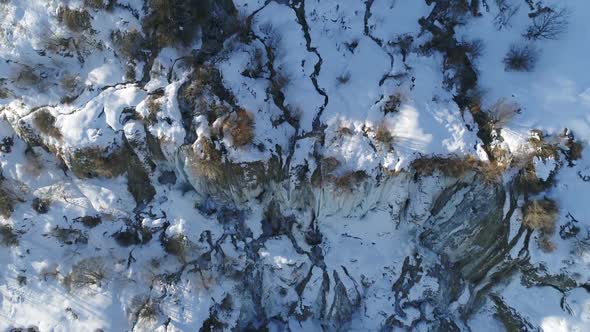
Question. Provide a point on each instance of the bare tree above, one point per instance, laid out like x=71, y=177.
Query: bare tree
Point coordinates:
x=548, y=23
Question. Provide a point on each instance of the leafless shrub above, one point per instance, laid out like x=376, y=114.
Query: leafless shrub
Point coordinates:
x=394, y=102
x=473, y=48
x=8, y=237
x=41, y=205
x=521, y=57
x=45, y=122
x=506, y=11
x=541, y=215
x=383, y=135
x=177, y=245
x=89, y=221
x=343, y=78
x=502, y=112
x=144, y=309
x=69, y=236
x=75, y=20
x=7, y=204
x=548, y=23
x=86, y=273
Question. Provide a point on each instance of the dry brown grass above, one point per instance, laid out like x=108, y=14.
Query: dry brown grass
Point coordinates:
x=75, y=20
x=455, y=166
x=541, y=215
x=45, y=122
x=205, y=160
x=241, y=127
x=99, y=162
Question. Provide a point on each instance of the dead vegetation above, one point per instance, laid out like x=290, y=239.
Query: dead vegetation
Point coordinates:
x=541, y=215
x=502, y=112
x=87, y=273
x=76, y=20
x=128, y=44
x=45, y=122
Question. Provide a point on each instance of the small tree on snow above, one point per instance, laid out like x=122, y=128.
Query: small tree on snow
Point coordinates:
x=548, y=23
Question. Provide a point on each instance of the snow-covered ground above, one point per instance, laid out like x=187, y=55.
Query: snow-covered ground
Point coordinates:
x=287, y=174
